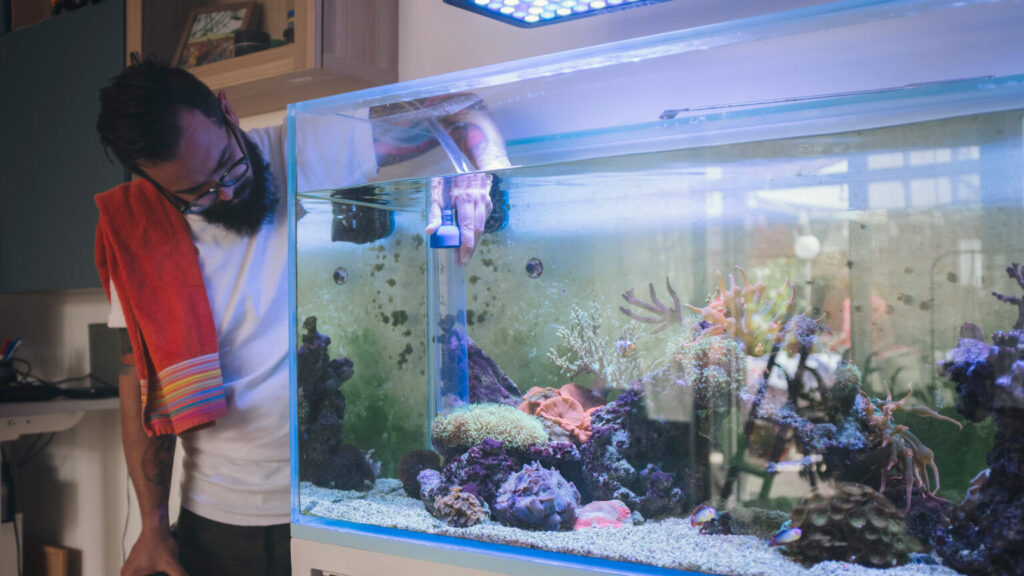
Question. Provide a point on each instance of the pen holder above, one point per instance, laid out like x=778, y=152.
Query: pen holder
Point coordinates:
x=7, y=374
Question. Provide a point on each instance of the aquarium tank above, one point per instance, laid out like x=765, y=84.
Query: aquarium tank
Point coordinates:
x=749, y=300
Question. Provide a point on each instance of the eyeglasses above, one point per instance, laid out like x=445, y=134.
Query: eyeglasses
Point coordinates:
x=233, y=175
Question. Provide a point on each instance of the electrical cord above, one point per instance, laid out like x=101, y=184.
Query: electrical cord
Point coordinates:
x=28, y=387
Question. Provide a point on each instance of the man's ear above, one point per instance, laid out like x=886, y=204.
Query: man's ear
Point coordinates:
x=225, y=106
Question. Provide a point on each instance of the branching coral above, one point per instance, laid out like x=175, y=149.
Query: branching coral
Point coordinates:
x=590, y=354
x=664, y=316
x=750, y=314
x=907, y=453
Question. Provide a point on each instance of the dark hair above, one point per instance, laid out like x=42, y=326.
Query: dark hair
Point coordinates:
x=140, y=109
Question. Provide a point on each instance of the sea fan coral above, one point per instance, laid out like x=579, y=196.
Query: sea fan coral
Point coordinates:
x=472, y=425
x=852, y=524
x=750, y=313
x=537, y=498
x=460, y=509
x=410, y=466
x=591, y=354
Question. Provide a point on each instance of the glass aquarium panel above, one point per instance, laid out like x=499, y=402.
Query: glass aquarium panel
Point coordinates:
x=773, y=338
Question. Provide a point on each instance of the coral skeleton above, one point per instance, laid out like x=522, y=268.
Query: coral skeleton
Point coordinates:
x=591, y=354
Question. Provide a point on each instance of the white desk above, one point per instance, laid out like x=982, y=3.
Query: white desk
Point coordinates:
x=20, y=418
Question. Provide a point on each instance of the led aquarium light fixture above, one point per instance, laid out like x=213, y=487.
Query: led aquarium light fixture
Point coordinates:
x=531, y=13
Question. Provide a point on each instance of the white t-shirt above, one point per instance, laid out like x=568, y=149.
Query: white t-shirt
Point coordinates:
x=237, y=471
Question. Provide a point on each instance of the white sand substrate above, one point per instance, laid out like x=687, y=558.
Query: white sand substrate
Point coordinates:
x=668, y=543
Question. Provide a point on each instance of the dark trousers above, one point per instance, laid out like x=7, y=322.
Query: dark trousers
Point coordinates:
x=209, y=548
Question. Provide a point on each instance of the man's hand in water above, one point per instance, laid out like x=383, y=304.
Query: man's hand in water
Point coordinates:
x=471, y=197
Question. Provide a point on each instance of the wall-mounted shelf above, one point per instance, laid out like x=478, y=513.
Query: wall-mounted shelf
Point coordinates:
x=340, y=46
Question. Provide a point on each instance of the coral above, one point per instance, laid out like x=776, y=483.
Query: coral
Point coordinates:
x=987, y=534
x=431, y=486
x=474, y=424
x=749, y=314
x=537, y=498
x=459, y=509
x=925, y=514
x=713, y=367
x=321, y=406
x=664, y=316
x=590, y=354
x=585, y=396
x=1015, y=272
x=487, y=383
x=907, y=454
x=481, y=470
x=568, y=414
x=410, y=466
x=564, y=457
x=536, y=396
x=624, y=442
x=853, y=524
x=603, y=513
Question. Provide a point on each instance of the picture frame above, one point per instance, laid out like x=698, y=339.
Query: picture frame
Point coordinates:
x=209, y=33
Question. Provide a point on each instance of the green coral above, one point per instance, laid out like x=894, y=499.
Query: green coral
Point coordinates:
x=713, y=367
x=591, y=354
x=471, y=426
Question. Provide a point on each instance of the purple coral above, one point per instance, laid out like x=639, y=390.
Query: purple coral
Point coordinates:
x=623, y=446
x=481, y=470
x=537, y=498
x=487, y=382
x=986, y=537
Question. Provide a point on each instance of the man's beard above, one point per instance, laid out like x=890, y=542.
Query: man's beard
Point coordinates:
x=257, y=198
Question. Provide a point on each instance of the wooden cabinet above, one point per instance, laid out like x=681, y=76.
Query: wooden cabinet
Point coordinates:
x=340, y=46
x=51, y=159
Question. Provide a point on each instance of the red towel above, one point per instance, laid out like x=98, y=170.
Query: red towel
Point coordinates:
x=143, y=246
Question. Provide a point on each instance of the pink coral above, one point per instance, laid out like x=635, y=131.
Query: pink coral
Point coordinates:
x=600, y=513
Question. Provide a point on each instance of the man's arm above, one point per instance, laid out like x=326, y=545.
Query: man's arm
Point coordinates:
x=403, y=131
x=149, y=464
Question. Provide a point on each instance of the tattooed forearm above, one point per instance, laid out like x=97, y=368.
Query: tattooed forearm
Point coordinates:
x=127, y=352
x=158, y=460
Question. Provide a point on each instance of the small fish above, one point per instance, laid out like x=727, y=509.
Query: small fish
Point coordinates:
x=787, y=536
x=702, y=515
x=624, y=346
